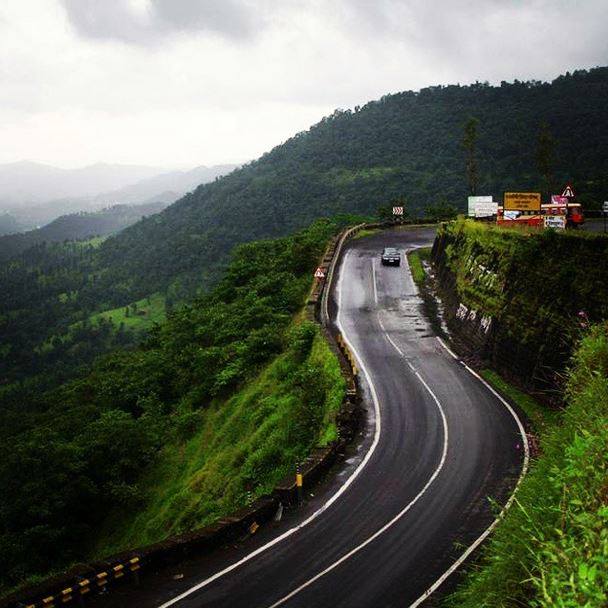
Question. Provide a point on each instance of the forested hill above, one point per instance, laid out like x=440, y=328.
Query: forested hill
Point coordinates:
x=77, y=226
x=408, y=144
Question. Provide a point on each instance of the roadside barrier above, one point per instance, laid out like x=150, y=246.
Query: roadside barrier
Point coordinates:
x=76, y=584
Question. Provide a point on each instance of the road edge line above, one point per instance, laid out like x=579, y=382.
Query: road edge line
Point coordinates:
x=503, y=512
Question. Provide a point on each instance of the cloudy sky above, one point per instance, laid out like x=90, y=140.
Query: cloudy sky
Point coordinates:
x=185, y=82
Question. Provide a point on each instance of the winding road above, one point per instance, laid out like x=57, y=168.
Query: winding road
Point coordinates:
x=413, y=500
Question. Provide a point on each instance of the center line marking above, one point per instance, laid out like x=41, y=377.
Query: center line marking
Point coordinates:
x=374, y=281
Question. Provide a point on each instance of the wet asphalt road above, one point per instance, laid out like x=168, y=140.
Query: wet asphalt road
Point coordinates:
x=438, y=445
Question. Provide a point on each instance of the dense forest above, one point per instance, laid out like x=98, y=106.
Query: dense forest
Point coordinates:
x=77, y=226
x=73, y=454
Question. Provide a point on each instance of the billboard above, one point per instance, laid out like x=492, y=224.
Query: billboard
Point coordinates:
x=522, y=201
x=474, y=200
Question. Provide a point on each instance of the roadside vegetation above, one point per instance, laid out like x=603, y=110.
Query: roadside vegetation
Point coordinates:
x=219, y=402
x=540, y=416
x=415, y=259
x=552, y=547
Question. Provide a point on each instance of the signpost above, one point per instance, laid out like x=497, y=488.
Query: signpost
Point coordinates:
x=522, y=201
x=475, y=201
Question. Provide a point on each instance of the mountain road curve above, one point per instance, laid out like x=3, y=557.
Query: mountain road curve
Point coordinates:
x=417, y=495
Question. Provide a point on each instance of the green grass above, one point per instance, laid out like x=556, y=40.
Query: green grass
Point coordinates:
x=551, y=550
x=224, y=457
x=540, y=417
x=141, y=315
x=415, y=259
x=366, y=232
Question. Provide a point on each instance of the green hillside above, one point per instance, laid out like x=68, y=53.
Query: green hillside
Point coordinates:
x=77, y=226
x=219, y=402
x=403, y=145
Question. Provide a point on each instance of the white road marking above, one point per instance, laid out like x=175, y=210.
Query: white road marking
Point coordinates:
x=450, y=351
x=395, y=519
x=374, y=281
x=325, y=506
x=501, y=515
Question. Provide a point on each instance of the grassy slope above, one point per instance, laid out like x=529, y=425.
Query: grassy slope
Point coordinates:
x=149, y=311
x=552, y=548
x=415, y=259
x=239, y=450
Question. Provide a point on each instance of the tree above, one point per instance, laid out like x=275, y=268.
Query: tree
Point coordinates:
x=469, y=143
x=545, y=147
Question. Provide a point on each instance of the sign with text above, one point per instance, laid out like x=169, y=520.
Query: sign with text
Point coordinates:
x=555, y=221
x=522, y=201
x=475, y=200
x=558, y=199
x=605, y=207
x=486, y=209
x=397, y=210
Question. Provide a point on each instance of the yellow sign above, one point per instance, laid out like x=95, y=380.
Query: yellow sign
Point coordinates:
x=522, y=201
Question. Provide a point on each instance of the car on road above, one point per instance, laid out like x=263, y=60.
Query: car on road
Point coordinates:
x=391, y=257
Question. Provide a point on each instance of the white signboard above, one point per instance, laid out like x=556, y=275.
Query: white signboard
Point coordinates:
x=473, y=200
x=605, y=207
x=397, y=210
x=486, y=209
x=555, y=221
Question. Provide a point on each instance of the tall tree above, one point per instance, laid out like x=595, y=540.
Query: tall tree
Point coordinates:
x=469, y=143
x=545, y=154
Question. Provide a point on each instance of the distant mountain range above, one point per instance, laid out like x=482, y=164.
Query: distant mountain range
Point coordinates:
x=77, y=226
x=34, y=194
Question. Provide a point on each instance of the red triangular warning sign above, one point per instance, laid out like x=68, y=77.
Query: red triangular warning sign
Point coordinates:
x=319, y=274
x=568, y=191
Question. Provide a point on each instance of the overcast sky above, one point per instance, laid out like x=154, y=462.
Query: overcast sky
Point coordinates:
x=188, y=82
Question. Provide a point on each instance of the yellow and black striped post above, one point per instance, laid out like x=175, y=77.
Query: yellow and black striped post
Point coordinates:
x=299, y=484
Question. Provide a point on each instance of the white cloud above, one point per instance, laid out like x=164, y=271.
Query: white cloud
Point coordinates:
x=169, y=82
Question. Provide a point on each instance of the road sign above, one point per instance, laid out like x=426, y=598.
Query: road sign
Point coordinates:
x=605, y=207
x=522, y=201
x=555, y=221
x=559, y=199
x=319, y=274
x=397, y=210
x=474, y=201
x=568, y=192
